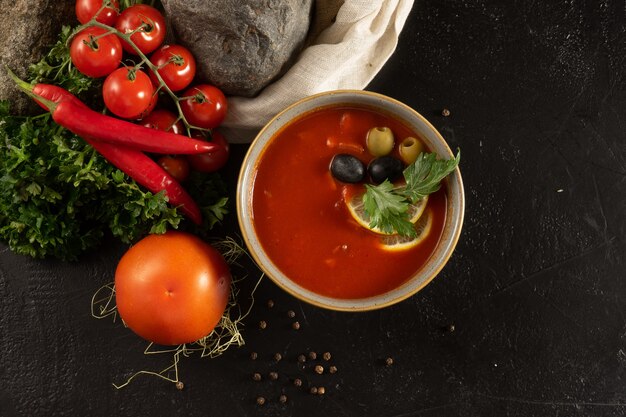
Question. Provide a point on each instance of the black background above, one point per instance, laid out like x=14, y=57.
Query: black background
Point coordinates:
x=535, y=289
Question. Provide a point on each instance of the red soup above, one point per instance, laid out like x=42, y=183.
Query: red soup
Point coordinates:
x=300, y=214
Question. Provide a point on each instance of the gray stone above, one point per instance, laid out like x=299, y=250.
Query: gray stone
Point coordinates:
x=240, y=45
x=27, y=29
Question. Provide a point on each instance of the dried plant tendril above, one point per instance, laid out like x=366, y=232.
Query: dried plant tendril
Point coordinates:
x=103, y=302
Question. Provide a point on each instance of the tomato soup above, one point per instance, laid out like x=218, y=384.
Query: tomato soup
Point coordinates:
x=300, y=214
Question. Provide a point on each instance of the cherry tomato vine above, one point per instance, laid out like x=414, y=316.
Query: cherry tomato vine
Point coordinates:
x=193, y=96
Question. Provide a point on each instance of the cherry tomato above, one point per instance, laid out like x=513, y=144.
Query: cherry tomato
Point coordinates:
x=176, y=166
x=95, y=55
x=205, y=106
x=151, y=106
x=128, y=92
x=150, y=36
x=164, y=120
x=87, y=9
x=172, y=289
x=176, y=64
x=210, y=161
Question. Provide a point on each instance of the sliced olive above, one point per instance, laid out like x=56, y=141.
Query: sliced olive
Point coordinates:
x=409, y=150
x=347, y=168
x=385, y=167
x=379, y=141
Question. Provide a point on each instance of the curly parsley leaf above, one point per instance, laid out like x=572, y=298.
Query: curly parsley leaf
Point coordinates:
x=387, y=206
x=58, y=197
x=209, y=191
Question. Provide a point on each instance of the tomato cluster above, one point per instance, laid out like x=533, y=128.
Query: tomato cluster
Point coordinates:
x=132, y=92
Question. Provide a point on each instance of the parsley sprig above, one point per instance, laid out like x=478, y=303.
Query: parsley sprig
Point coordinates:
x=387, y=206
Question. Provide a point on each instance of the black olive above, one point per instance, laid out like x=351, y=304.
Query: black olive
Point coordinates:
x=347, y=168
x=385, y=167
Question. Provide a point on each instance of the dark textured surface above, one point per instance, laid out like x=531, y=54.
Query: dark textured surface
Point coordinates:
x=536, y=289
x=240, y=46
x=27, y=30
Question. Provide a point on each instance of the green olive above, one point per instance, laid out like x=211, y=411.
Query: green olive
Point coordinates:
x=409, y=149
x=379, y=141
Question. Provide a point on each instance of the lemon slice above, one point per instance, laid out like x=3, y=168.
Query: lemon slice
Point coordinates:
x=357, y=211
x=397, y=242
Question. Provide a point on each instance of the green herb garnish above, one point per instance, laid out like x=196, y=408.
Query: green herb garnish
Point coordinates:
x=387, y=206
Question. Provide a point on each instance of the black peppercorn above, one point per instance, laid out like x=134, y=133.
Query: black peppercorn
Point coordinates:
x=254, y=355
x=321, y=390
x=295, y=325
x=319, y=369
x=326, y=356
x=270, y=303
x=256, y=376
x=291, y=314
x=297, y=382
x=262, y=324
x=332, y=369
x=180, y=385
x=277, y=357
x=282, y=399
x=445, y=112
x=273, y=376
x=389, y=361
x=260, y=400
x=313, y=390
x=312, y=356
x=301, y=358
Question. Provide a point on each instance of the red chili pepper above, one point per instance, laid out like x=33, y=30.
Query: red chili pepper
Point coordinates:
x=54, y=93
x=148, y=173
x=84, y=121
x=132, y=162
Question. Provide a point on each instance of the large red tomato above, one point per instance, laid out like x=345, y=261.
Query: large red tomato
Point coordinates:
x=172, y=289
x=151, y=36
x=94, y=53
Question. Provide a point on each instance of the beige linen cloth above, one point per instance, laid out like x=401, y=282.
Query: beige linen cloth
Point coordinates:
x=342, y=53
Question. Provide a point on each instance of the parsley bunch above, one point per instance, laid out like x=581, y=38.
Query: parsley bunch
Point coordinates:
x=59, y=197
x=387, y=206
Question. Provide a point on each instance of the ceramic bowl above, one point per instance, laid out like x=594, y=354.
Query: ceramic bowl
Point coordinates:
x=434, y=141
